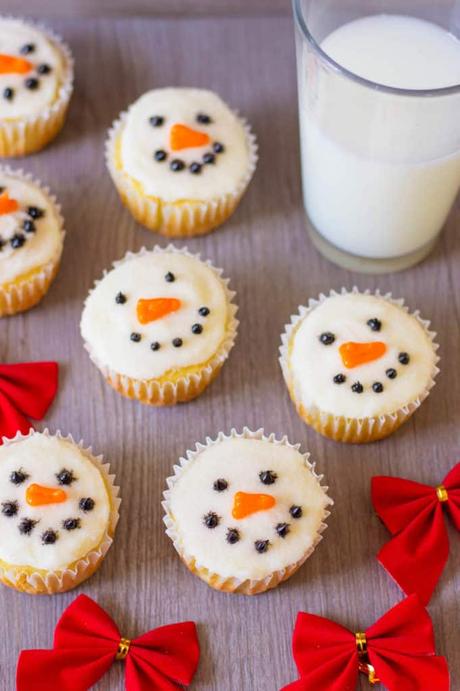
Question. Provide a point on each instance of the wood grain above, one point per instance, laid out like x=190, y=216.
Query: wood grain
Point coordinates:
x=273, y=267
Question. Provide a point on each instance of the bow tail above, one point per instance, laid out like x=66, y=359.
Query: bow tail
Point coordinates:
x=416, y=557
x=452, y=485
x=31, y=385
x=66, y=669
x=140, y=675
x=337, y=672
x=411, y=673
x=11, y=419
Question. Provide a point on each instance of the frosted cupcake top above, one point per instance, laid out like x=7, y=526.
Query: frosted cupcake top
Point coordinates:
x=184, y=144
x=31, y=70
x=54, y=505
x=358, y=355
x=30, y=228
x=154, y=313
x=245, y=508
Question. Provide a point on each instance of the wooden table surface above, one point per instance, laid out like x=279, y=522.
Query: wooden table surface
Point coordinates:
x=265, y=250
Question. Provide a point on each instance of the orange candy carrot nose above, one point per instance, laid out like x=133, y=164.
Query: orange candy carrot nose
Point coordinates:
x=355, y=354
x=148, y=310
x=183, y=137
x=245, y=504
x=7, y=205
x=38, y=495
x=11, y=64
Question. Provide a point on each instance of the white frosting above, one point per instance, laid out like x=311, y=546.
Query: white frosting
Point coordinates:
x=313, y=365
x=239, y=462
x=42, y=457
x=25, y=102
x=41, y=246
x=180, y=106
x=107, y=326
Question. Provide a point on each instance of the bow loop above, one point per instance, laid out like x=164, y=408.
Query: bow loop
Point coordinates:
x=397, y=650
x=87, y=642
x=414, y=514
x=26, y=390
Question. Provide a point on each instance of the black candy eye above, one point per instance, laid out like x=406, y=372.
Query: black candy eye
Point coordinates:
x=374, y=324
x=327, y=338
x=120, y=298
x=404, y=358
x=261, y=546
x=10, y=508
x=27, y=48
x=17, y=477
x=203, y=119
x=220, y=485
x=44, y=68
x=282, y=529
x=296, y=511
x=49, y=537
x=211, y=520
x=156, y=120
x=232, y=536
x=86, y=504
x=26, y=526
x=169, y=277
x=65, y=477
x=71, y=523
x=267, y=477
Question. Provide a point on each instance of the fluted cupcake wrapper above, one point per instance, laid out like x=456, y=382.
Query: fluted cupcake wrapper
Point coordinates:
x=27, y=135
x=245, y=586
x=23, y=294
x=349, y=429
x=33, y=581
x=185, y=388
x=184, y=218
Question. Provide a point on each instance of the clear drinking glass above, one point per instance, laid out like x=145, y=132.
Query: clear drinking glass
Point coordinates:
x=380, y=165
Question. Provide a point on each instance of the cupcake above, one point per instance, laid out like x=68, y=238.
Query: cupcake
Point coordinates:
x=58, y=513
x=357, y=365
x=160, y=325
x=245, y=511
x=36, y=75
x=181, y=160
x=31, y=241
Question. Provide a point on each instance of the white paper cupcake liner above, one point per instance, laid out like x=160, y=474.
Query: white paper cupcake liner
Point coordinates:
x=27, y=135
x=245, y=586
x=21, y=296
x=349, y=429
x=183, y=389
x=182, y=218
x=50, y=582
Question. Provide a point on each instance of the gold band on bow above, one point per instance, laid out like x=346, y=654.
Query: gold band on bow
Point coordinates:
x=441, y=493
x=123, y=649
x=364, y=665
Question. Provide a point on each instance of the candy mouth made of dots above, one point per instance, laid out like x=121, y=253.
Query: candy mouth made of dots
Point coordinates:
x=20, y=65
x=247, y=504
x=185, y=137
x=17, y=223
x=354, y=354
x=151, y=309
x=39, y=498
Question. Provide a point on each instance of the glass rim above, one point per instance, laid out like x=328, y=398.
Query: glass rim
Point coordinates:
x=339, y=69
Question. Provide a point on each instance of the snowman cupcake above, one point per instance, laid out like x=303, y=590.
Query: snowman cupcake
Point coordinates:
x=160, y=325
x=36, y=75
x=58, y=513
x=181, y=160
x=245, y=511
x=31, y=241
x=357, y=365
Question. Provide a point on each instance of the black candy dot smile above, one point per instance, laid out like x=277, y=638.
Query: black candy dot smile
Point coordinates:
x=49, y=537
x=209, y=158
x=34, y=212
x=296, y=511
x=10, y=508
x=404, y=358
x=155, y=346
x=261, y=546
x=197, y=329
x=377, y=387
x=282, y=529
x=177, y=165
x=29, y=226
x=211, y=520
x=177, y=342
x=31, y=83
x=17, y=241
x=357, y=387
x=71, y=524
x=135, y=337
x=204, y=311
x=160, y=155
x=26, y=526
x=233, y=536
x=218, y=148
x=195, y=168
x=339, y=379
x=44, y=68
x=8, y=93
x=391, y=373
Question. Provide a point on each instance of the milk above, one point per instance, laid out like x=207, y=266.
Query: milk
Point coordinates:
x=381, y=170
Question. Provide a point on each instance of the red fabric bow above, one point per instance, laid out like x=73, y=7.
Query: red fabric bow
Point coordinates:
x=87, y=642
x=399, y=652
x=26, y=389
x=413, y=513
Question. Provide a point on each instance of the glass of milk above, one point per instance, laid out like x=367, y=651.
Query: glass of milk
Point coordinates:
x=379, y=111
